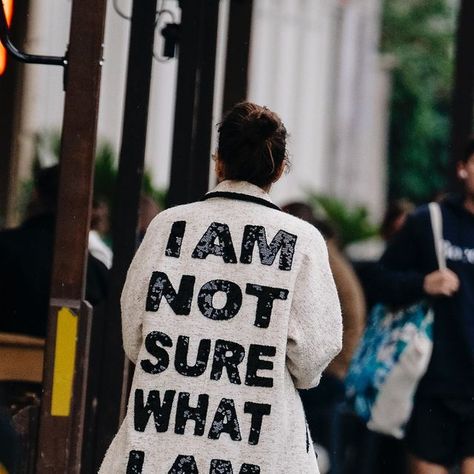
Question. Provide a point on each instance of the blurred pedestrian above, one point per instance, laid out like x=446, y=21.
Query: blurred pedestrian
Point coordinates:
x=228, y=307
x=394, y=218
x=100, y=226
x=370, y=250
x=441, y=430
x=26, y=256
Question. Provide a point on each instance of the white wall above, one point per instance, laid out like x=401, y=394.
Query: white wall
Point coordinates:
x=357, y=167
x=290, y=69
x=43, y=96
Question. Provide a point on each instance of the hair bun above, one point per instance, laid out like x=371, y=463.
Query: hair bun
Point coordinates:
x=252, y=144
x=260, y=125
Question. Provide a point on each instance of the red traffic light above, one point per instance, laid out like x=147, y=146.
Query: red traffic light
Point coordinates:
x=8, y=6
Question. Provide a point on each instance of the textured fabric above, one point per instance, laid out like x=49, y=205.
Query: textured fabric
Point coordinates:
x=387, y=366
x=228, y=308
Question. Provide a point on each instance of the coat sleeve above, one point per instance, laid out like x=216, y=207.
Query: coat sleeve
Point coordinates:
x=133, y=299
x=315, y=324
x=398, y=278
x=397, y=288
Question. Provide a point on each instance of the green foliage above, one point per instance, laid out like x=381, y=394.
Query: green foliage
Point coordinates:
x=351, y=224
x=106, y=175
x=419, y=34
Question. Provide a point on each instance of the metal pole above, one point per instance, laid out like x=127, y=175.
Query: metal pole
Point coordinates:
x=62, y=410
x=10, y=100
x=463, y=92
x=115, y=369
x=194, y=101
x=238, y=49
x=19, y=55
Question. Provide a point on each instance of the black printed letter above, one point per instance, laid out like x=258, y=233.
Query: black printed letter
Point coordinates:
x=266, y=295
x=249, y=469
x=181, y=358
x=208, y=246
x=184, y=465
x=175, y=240
x=257, y=410
x=219, y=466
x=254, y=364
x=283, y=241
x=225, y=421
x=163, y=358
x=135, y=462
x=160, y=286
x=161, y=411
x=228, y=354
x=232, y=305
x=184, y=413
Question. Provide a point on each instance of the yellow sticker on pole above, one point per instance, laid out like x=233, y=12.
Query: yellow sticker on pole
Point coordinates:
x=64, y=361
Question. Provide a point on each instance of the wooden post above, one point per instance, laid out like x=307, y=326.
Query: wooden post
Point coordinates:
x=115, y=368
x=62, y=407
x=463, y=91
x=238, y=49
x=194, y=101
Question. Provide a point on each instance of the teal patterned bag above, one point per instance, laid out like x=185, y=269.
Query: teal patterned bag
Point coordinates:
x=392, y=357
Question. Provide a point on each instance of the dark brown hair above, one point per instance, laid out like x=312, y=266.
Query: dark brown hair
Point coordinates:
x=305, y=211
x=395, y=210
x=252, y=144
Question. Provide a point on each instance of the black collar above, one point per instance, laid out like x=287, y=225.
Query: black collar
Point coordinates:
x=241, y=197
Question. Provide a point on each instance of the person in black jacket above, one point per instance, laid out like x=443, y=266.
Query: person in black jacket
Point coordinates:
x=26, y=256
x=441, y=430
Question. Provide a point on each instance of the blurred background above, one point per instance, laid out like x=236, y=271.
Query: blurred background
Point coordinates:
x=378, y=99
x=363, y=86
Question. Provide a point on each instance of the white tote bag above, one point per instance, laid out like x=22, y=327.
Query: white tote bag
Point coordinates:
x=393, y=356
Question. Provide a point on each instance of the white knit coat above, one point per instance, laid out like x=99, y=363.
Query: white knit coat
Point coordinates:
x=229, y=306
